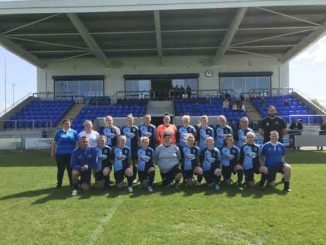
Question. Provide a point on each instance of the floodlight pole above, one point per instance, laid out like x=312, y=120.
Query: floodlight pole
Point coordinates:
x=5, y=83
x=13, y=94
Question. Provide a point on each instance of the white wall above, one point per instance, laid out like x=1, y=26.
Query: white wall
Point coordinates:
x=114, y=76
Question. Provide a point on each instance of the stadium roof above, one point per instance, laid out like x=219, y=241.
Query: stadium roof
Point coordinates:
x=62, y=30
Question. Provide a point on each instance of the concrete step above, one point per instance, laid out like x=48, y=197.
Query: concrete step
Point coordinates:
x=159, y=107
x=72, y=113
x=252, y=113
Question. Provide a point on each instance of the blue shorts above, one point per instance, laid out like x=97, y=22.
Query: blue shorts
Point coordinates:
x=85, y=177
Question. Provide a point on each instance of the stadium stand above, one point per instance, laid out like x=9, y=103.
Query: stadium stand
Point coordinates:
x=286, y=105
x=99, y=100
x=204, y=106
x=40, y=114
x=136, y=107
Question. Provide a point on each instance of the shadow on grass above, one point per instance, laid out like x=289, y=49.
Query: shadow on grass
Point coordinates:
x=306, y=157
x=51, y=194
x=63, y=193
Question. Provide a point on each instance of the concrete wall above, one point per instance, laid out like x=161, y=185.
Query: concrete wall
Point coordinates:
x=114, y=75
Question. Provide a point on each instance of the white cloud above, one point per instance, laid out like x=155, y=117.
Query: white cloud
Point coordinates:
x=315, y=53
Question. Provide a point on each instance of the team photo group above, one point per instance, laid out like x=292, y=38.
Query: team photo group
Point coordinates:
x=184, y=154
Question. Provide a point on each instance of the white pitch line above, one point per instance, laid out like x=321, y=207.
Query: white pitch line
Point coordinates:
x=104, y=221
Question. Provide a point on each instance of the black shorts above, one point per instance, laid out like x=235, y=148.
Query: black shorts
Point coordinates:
x=227, y=172
x=188, y=174
x=85, y=177
x=119, y=175
x=249, y=175
x=273, y=171
x=99, y=175
x=168, y=177
x=256, y=168
x=209, y=175
x=106, y=164
x=143, y=175
x=134, y=155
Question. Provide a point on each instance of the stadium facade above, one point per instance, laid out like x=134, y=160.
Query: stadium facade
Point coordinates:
x=139, y=45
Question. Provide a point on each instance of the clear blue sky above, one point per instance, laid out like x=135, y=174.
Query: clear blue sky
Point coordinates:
x=307, y=73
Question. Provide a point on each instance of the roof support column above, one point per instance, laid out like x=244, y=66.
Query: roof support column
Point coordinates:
x=157, y=22
x=88, y=38
x=230, y=35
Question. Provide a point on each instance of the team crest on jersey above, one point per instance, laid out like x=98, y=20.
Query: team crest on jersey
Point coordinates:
x=130, y=135
x=252, y=154
x=190, y=157
x=145, y=158
x=121, y=157
x=230, y=157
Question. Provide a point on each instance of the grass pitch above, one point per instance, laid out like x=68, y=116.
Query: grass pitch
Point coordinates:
x=32, y=211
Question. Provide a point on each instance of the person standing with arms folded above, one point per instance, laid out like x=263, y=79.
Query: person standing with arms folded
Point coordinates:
x=148, y=130
x=204, y=132
x=221, y=131
x=184, y=131
x=241, y=135
x=65, y=141
x=111, y=132
x=272, y=122
x=131, y=133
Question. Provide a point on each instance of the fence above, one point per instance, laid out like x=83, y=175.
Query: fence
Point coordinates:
x=26, y=124
x=21, y=143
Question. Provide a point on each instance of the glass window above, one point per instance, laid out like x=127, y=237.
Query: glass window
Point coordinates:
x=245, y=83
x=185, y=82
x=79, y=88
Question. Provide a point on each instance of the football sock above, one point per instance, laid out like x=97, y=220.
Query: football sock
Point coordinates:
x=129, y=179
x=240, y=176
x=151, y=176
x=263, y=179
x=199, y=178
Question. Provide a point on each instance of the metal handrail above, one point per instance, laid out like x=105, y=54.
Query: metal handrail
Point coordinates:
x=136, y=94
x=49, y=123
x=208, y=93
x=306, y=97
x=16, y=103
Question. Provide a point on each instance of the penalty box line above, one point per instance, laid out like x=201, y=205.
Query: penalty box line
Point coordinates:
x=108, y=216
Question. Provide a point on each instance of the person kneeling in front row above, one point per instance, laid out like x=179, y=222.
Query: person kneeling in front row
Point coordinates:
x=167, y=156
x=273, y=153
x=210, y=159
x=104, y=165
x=121, y=163
x=145, y=165
x=83, y=160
